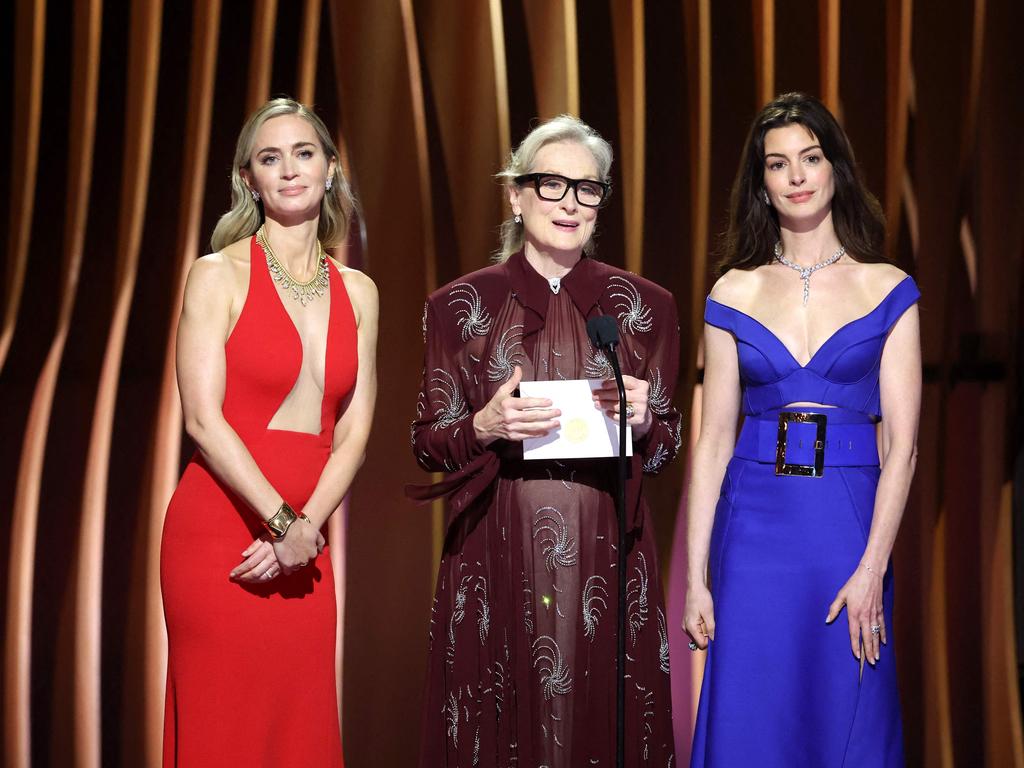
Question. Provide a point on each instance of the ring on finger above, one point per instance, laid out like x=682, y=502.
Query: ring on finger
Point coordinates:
x=875, y=629
x=630, y=410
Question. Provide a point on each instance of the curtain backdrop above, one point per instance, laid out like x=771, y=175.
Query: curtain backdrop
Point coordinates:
x=121, y=133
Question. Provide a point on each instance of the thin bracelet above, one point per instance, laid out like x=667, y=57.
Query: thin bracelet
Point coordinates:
x=871, y=570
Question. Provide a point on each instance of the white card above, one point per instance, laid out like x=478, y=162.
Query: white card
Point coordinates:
x=585, y=431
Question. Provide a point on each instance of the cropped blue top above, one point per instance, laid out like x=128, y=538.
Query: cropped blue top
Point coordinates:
x=843, y=372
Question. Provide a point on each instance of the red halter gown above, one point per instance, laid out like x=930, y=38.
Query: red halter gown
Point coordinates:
x=251, y=668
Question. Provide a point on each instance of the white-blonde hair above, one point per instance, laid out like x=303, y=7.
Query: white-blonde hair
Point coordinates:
x=562, y=128
x=246, y=215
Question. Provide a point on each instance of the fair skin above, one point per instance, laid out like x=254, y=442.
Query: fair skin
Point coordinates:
x=556, y=232
x=289, y=168
x=800, y=186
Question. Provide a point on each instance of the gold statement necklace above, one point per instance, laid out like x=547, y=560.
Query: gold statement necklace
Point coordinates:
x=302, y=292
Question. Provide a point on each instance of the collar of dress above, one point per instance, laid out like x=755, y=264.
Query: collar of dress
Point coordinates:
x=532, y=290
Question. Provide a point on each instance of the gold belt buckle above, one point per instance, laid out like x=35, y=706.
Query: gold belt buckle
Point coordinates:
x=817, y=469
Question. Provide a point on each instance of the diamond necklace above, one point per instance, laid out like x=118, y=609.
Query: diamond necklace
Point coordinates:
x=301, y=292
x=806, y=272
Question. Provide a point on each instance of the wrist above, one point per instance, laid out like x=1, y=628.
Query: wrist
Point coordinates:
x=641, y=430
x=696, y=580
x=278, y=524
x=874, y=570
x=482, y=435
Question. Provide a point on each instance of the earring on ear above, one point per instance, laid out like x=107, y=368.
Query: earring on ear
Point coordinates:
x=518, y=218
x=328, y=184
x=255, y=195
x=764, y=193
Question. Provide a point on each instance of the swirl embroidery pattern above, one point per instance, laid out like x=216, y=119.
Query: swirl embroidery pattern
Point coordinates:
x=659, y=457
x=662, y=643
x=596, y=365
x=502, y=363
x=636, y=599
x=450, y=405
x=658, y=397
x=483, y=613
x=594, y=594
x=635, y=317
x=471, y=316
x=555, y=678
x=558, y=548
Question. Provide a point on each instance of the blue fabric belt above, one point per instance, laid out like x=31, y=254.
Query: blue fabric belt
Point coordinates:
x=849, y=438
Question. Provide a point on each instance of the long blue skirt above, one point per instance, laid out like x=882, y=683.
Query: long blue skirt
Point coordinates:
x=781, y=687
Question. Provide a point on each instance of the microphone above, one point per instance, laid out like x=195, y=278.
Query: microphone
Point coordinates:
x=603, y=332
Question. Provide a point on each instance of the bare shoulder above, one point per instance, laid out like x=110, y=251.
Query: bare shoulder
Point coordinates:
x=223, y=268
x=209, y=274
x=737, y=287
x=878, y=280
x=362, y=291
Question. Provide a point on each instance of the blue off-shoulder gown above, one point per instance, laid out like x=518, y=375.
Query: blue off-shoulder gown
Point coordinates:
x=782, y=688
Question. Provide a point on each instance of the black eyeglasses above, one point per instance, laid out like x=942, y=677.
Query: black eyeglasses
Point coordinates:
x=552, y=187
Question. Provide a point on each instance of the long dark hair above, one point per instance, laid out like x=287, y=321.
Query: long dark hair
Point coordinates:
x=754, y=226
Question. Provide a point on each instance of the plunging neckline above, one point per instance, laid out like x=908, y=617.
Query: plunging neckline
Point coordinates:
x=827, y=341
x=299, y=339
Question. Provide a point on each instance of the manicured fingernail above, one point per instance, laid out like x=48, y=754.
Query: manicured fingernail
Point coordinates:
x=878, y=657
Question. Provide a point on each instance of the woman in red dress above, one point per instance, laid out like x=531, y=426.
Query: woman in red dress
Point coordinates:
x=276, y=367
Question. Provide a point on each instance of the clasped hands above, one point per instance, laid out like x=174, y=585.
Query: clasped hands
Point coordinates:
x=265, y=560
x=507, y=417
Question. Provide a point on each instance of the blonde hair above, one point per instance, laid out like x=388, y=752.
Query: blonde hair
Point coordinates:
x=562, y=128
x=246, y=215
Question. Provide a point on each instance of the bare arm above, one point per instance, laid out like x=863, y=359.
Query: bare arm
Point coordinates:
x=900, y=383
x=202, y=333
x=353, y=428
x=714, y=448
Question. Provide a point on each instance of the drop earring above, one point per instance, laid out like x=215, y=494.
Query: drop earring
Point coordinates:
x=255, y=195
x=764, y=193
x=328, y=184
x=518, y=219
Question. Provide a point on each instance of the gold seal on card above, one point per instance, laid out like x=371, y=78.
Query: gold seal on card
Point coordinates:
x=576, y=430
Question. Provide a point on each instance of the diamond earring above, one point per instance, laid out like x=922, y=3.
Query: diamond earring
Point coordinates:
x=764, y=192
x=328, y=184
x=518, y=219
x=255, y=195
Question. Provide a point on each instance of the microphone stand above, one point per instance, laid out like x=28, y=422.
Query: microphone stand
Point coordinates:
x=620, y=508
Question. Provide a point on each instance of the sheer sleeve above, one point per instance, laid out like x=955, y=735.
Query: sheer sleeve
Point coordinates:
x=443, y=439
x=660, y=445
x=442, y=433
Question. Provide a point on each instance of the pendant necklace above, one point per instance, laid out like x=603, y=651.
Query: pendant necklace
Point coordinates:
x=806, y=272
x=302, y=292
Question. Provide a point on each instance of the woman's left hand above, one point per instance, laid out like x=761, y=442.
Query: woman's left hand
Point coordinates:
x=260, y=564
x=862, y=595
x=606, y=397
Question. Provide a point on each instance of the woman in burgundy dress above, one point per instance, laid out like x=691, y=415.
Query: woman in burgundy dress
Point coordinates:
x=522, y=631
x=275, y=362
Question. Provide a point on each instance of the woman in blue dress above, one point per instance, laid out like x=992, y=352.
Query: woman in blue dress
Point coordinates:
x=812, y=335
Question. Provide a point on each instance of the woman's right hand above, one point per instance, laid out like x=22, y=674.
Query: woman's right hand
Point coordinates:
x=699, y=615
x=299, y=546
x=514, y=418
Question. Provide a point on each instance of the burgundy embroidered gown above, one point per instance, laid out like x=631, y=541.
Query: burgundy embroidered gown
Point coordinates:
x=522, y=631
